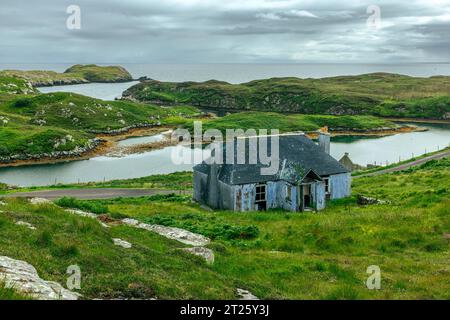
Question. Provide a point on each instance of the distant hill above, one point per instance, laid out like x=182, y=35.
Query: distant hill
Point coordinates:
x=381, y=94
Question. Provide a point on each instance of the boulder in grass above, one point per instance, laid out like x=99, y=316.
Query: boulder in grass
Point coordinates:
x=122, y=243
x=23, y=277
x=203, y=252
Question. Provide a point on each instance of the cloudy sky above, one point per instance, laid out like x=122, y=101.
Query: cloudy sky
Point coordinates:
x=225, y=31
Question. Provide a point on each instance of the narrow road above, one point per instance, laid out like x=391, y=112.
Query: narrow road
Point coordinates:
x=92, y=193
x=436, y=156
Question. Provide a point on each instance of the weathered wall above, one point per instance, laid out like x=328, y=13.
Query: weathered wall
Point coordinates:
x=276, y=196
x=318, y=191
x=226, y=196
x=199, y=180
x=244, y=196
x=340, y=185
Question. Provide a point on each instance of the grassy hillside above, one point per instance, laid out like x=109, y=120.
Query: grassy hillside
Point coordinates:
x=375, y=94
x=12, y=85
x=35, y=123
x=74, y=111
x=73, y=75
x=20, y=136
x=275, y=254
x=288, y=123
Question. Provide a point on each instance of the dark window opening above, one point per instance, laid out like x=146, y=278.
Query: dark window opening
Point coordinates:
x=260, y=193
x=260, y=197
x=327, y=185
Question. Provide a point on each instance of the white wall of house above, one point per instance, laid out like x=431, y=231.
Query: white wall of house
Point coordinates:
x=340, y=185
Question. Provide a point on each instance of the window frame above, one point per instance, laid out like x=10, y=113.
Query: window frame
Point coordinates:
x=258, y=197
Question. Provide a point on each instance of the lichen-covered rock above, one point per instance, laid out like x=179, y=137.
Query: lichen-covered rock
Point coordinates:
x=177, y=234
x=122, y=243
x=245, y=295
x=24, y=278
x=26, y=224
x=39, y=201
x=203, y=252
x=363, y=200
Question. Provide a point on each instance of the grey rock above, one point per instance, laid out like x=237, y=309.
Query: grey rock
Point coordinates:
x=363, y=200
x=26, y=224
x=203, y=252
x=122, y=243
x=39, y=201
x=245, y=295
x=24, y=278
x=177, y=234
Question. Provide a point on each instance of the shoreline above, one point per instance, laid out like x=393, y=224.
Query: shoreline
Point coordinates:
x=420, y=120
x=110, y=141
x=371, y=133
x=107, y=144
x=76, y=83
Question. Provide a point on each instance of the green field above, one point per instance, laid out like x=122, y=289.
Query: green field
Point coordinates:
x=274, y=254
x=379, y=94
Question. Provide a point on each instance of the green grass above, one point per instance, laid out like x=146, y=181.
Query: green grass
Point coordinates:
x=274, y=254
x=13, y=85
x=289, y=123
x=19, y=136
x=181, y=181
x=94, y=73
x=379, y=94
x=11, y=294
x=34, y=123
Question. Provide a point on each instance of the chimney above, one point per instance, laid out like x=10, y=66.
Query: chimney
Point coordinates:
x=324, y=139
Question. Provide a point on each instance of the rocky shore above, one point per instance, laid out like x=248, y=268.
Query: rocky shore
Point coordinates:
x=79, y=151
x=123, y=130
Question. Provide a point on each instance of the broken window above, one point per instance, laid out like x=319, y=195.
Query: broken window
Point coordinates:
x=327, y=185
x=260, y=193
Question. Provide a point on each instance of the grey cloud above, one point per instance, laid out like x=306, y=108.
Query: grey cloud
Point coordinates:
x=223, y=31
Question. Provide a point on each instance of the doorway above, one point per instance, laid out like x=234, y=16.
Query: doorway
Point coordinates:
x=307, y=200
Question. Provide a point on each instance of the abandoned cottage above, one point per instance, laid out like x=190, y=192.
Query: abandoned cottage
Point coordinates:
x=307, y=177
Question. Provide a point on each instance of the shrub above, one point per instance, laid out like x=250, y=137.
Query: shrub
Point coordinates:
x=91, y=206
x=23, y=102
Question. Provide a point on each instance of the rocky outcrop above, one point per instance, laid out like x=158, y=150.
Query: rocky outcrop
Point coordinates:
x=122, y=243
x=26, y=224
x=203, y=252
x=177, y=234
x=87, y=215
x=363, y=200
x=245, y=295
x=79, y=151
x=142, y=125
x=39, y=201
x=24, y=278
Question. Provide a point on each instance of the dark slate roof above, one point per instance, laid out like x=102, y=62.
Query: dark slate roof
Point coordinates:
x=298, y=155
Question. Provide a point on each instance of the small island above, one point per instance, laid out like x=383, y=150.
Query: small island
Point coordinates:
x=76, y=74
